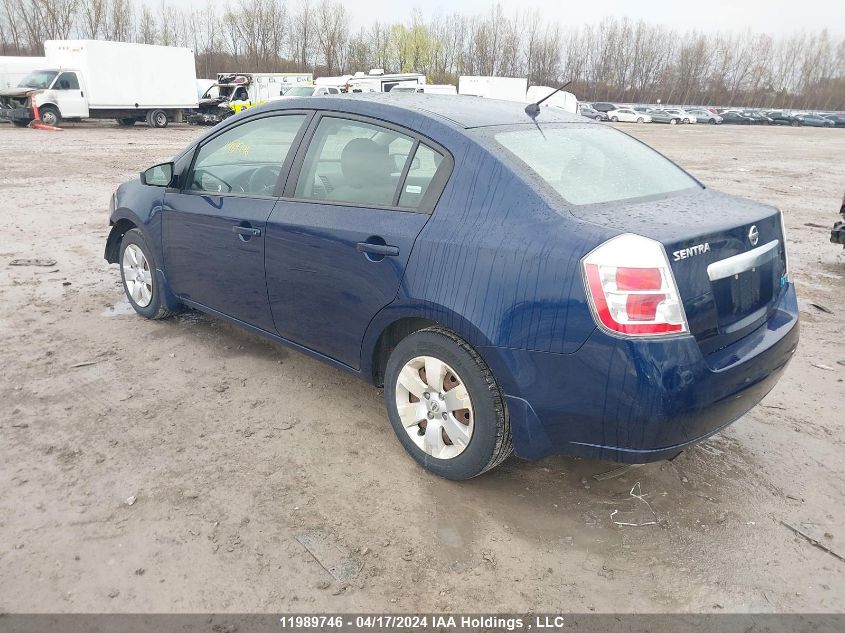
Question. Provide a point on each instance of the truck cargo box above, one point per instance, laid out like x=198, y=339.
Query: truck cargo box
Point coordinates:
x=120, y=75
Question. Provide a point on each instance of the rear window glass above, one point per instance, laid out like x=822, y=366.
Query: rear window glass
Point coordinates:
x=593, y=165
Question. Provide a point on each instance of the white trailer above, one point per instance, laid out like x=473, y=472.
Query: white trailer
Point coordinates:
x=562, y=99
x=377, y=81
x=14, y=69
x=85, y=79
x=505, y=88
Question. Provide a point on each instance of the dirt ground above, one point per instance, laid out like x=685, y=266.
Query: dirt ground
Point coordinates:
x=184, y=465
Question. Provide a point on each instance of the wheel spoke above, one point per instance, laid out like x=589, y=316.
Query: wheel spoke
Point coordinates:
x=135, y=291
x=458, y=433
x=412, y=413
x=133, y=257
x=410, y=379
x=435, y=373
x=146, y=294
x=457, y=398
x=433, y=442
x=147, y=276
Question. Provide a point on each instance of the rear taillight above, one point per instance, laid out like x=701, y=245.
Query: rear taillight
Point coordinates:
x=785, y=254
x=631, y=289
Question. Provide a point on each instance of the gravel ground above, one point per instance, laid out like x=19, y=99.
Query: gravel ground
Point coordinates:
x=185, y=465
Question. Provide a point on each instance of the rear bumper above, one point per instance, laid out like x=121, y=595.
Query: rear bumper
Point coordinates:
x=639, y=401
x=16, y=114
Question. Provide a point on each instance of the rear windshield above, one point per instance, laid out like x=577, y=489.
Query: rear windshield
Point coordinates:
x=592, y=164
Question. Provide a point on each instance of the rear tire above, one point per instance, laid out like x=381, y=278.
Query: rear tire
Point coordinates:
x=673, y=121
x=138, y=274
x=639, y=119
x=484, y=419
x=157, y=118
x=598, y=117
x=615, y=119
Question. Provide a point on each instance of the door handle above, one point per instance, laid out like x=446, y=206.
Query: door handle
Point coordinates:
x=377, y=249
x=248, y=231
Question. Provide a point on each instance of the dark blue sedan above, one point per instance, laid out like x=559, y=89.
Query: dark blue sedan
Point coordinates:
x=536, y=285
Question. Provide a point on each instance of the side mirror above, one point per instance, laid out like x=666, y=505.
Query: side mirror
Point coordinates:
x=158, y=175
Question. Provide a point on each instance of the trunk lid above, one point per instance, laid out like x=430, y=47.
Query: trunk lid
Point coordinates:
x=727, y=255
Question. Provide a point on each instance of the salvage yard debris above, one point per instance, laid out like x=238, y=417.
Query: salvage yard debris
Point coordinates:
x=33, y=262
x=813, y=541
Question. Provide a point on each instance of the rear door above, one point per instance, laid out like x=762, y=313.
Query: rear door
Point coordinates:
x=338, y=242
x=214, y=227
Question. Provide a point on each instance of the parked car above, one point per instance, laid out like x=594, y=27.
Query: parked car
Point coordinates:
x=837, y=233
x=814, y=120
x=683, y=115
x=616, y=308
x=706, y=116
x=838, y=119
x=779, y=117
x=592, y=113
x=603, y=106
x=659, y=116
x=757, y=118
x=628, y=115
x=731, y=116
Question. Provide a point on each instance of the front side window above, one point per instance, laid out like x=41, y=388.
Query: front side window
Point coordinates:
x=66, y=81
x=246, y=159
x=353, y=162
x=592, y=164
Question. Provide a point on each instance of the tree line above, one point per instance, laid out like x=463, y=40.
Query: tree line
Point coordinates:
x=617, y=59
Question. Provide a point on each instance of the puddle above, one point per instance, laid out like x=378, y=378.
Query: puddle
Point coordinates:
x=121, y=308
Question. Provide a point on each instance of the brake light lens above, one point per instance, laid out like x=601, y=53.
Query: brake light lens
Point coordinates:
x=631, y=288
x=785, y=253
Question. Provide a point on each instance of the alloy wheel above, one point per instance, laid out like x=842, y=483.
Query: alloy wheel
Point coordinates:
x=137, y=276
x=435, y=407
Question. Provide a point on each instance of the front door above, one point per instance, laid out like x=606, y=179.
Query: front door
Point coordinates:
x=69, y=96
x=338, y=242
x=214, y=227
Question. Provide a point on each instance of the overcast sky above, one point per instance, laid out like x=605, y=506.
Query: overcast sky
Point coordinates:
x=770, y=16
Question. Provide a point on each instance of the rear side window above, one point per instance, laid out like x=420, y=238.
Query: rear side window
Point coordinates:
x=246, y=159
x=593, y=165
x=353, y=162
x=423, y=168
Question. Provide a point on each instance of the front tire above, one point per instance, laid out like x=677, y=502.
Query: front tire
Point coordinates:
x=138, y=274
x=639, y=119
x=673, y=121
x=49, y=115
x=445, y=406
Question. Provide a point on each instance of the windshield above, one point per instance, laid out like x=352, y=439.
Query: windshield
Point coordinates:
x=38, y=79
x=593, y=164
x=300, y=91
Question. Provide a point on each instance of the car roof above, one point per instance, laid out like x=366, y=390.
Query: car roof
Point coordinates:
x=461, y=111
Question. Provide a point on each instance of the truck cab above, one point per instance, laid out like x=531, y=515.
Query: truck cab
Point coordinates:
x=57, y=93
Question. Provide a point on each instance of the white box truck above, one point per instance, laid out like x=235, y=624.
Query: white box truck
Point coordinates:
x=553, y=98
x=14, y=69
x=505, y=88
x=88, y=79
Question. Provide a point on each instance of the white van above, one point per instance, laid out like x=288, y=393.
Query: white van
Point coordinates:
x=377, y=81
